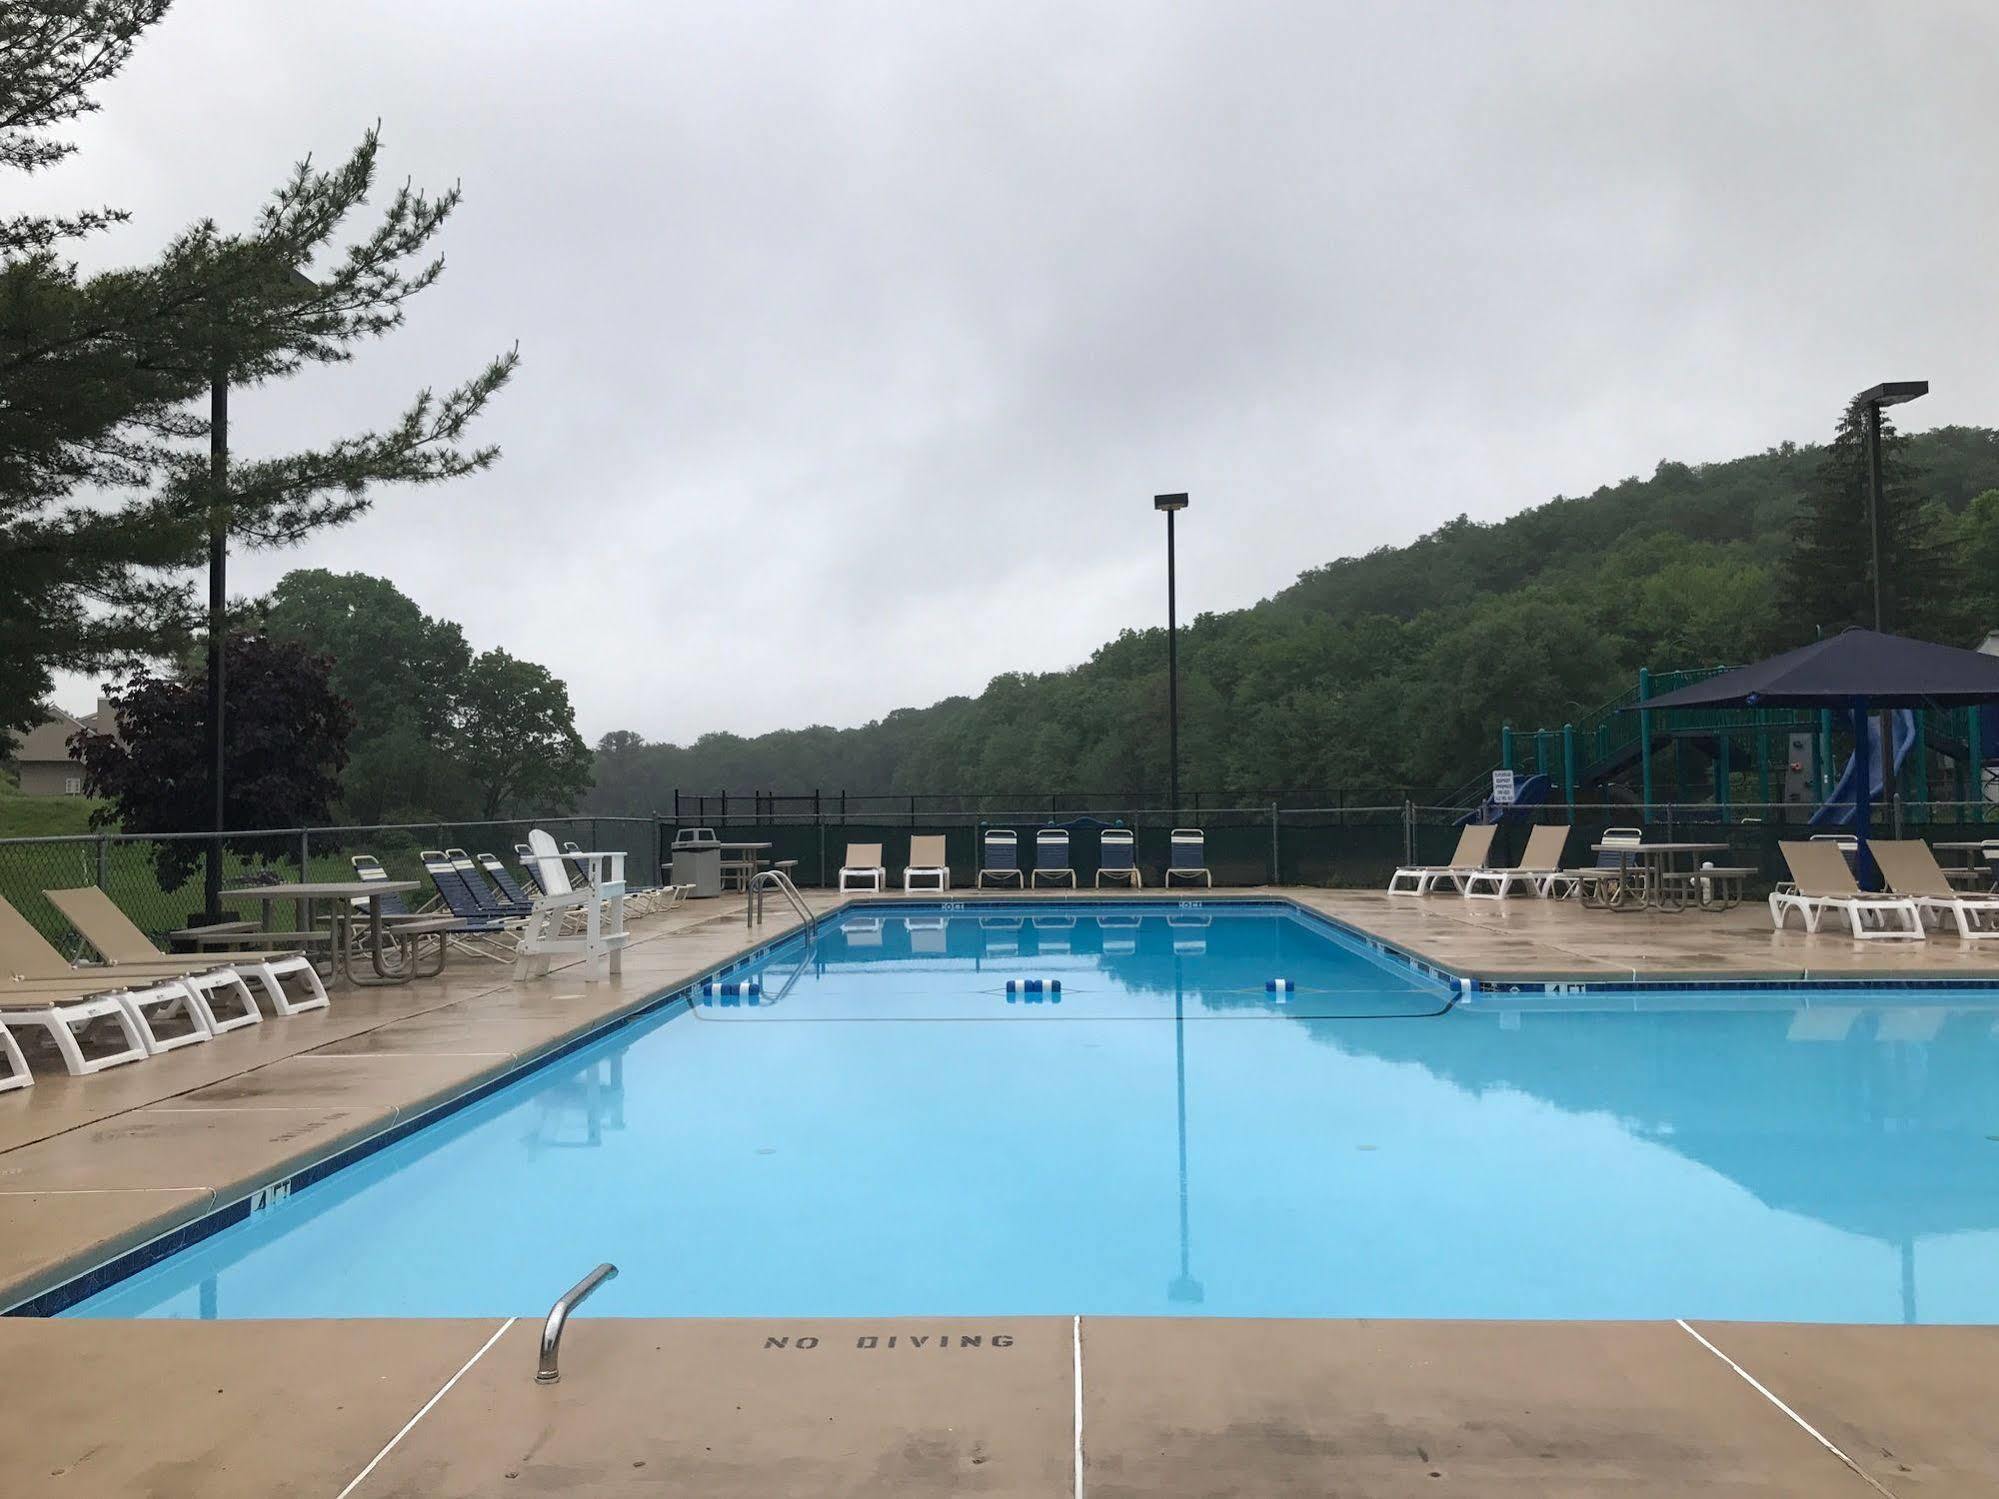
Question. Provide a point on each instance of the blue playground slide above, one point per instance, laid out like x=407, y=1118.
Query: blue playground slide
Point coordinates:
x=1838, y=810
x=1529, y=793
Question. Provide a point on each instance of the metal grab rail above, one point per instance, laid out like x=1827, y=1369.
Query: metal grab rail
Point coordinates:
x=546, y=1372
x=776, y=879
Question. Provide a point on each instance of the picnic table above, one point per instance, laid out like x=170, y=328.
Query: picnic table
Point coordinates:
x=740, y=861
x=341, y=917
x=1651, y=874
x=1970, y=872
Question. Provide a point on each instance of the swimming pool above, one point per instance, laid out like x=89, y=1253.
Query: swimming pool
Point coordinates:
x=884, y=1129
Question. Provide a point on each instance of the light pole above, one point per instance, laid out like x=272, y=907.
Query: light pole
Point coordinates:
x=1172, y=504
x=297, y=282
x=1889, y=393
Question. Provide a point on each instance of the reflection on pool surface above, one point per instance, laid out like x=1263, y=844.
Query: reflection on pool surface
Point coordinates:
x=884, y=1130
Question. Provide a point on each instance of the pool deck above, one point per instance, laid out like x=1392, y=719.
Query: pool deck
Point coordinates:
x=92, y=1166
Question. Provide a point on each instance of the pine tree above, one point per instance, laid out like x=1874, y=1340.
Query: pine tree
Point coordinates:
x=1826, y=583
x=105, y=489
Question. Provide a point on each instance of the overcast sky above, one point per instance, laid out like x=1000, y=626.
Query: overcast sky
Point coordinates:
x=856, y=338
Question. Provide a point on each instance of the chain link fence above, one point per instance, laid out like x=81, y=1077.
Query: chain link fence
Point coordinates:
x=157, y=878
x=1351, y=846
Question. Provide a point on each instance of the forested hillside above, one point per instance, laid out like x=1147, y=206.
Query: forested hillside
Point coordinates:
x=1393, y=671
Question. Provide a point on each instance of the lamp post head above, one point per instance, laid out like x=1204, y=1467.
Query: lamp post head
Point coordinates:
x=1894, y=392
x=1176, y=501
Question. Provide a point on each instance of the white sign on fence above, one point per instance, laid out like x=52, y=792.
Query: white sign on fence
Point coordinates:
x=1502, y=787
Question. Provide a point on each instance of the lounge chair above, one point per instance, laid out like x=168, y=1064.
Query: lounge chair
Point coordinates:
x=1911, y=869
x=37, y=987
x=999, y=857
x=1821, y=882
x=1590, y=880
x=67, y=1012
x=929, y=861
x=481, y=930
x=1474, y=847
x=17, y=1074
x=120, y=943
x=1117, y=854
x=503, y=881
x=1051, y=857
x=1188, y=857
x=863, y=864
x=490, y=900
x=1540, y=867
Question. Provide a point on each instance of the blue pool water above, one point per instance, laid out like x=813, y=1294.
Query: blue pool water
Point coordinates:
x=887, y=1132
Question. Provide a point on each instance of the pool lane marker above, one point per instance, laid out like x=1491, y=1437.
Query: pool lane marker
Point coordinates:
x=1076, y=1339
x=410, y=1425
x=1810, y=1430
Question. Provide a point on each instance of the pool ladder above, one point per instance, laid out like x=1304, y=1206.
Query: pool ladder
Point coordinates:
x=778, y=880
x=547, y=1371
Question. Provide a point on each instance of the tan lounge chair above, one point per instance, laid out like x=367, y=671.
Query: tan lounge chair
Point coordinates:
x=30, y=969
x=1911, y=869
x=1474, y=848
x=121, y=944
x=1540, y=867
x=67, y=1012
x=863, y=864
x=1821, y=882
x=928, y=862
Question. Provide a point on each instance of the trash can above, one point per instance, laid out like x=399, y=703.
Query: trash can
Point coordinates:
x=697, y=861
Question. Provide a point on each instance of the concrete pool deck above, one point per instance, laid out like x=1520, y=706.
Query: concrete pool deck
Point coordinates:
x=92, y=1166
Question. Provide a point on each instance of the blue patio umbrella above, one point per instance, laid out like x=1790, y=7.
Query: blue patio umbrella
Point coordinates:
x=1856, y=670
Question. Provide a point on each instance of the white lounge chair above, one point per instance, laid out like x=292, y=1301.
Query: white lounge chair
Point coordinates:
x=30, y=969
x=1187, y=857
x=1117, y=859
x=1911, y=869
x=1821, y=882
x=67, y=1012
x=928, y=862
x=1474, y=846
x=864, y=867
x=120, y=942
x=1539, y=869
x=999, y=857
x=1051, y=857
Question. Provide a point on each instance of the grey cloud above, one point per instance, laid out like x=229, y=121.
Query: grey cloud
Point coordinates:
x=856, y=338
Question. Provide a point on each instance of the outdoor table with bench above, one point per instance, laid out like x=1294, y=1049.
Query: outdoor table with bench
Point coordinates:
x=740, y=861
x=342, y=915
x=1653, y=874
x=1975, y=871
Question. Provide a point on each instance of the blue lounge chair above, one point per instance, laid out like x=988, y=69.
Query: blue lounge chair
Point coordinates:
x=479, y=930
x=1000, y=857
x=1115, y=858
x=1189, y=857
x=490, y=900
x=1051, y=857
x=504, y=882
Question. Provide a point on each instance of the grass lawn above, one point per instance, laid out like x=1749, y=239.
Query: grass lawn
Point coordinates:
x=43, y=816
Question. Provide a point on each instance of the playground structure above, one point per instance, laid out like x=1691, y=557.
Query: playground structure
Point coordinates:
x=1773, y=758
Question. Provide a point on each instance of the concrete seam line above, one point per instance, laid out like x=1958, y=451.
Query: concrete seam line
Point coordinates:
x=1810, y=1430
x=410, y=1425
x=1076, y=1342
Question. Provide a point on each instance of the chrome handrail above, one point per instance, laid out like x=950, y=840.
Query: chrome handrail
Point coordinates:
x=558, y=1317
x=776, y=879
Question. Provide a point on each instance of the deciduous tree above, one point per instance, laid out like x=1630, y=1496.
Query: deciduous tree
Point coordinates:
x=286, y=748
